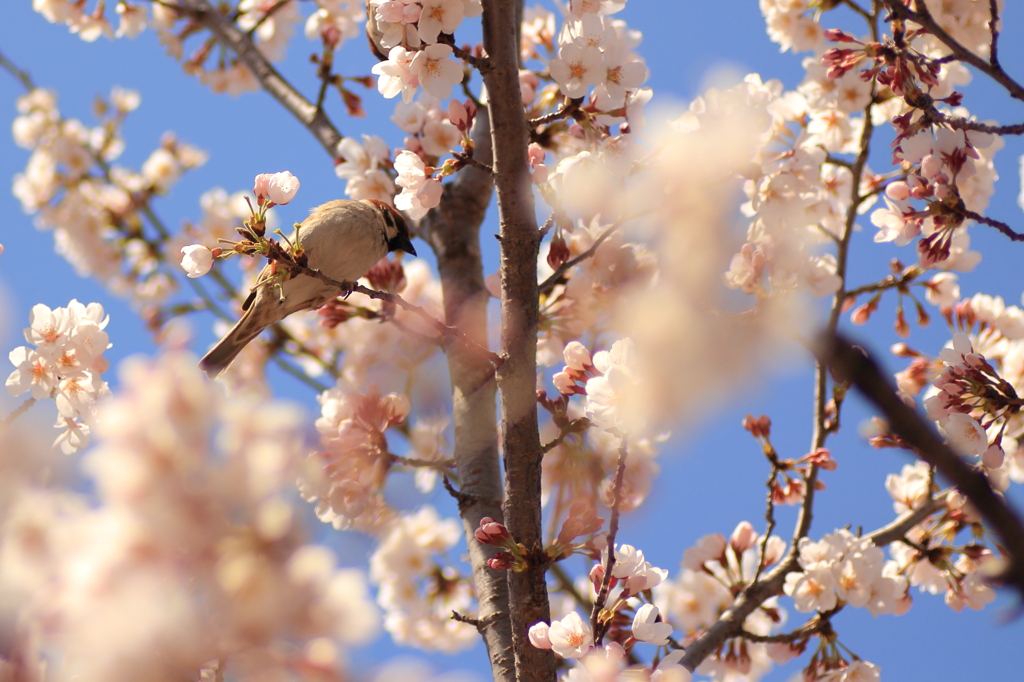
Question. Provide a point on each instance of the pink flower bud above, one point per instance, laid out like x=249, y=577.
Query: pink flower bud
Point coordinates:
x=743, y=537
x=993, y=456
x=577, y=356
x=411, y=13
x=502, y=561
x=539, y=635
x=457, y=114
x=897, y=191
x=196, y=260
x=491, y=532
x=558, y=251
x=536, y=154
x=565, y=384
x=261, y=186
x=597, y=577
x=837, y=36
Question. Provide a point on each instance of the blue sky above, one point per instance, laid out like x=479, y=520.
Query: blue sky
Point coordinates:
x=712, y=473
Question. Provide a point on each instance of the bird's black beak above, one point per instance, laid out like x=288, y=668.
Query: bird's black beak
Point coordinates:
x=402, y=242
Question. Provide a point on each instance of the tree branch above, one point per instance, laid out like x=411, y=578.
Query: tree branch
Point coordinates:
x=1001, y=226
x=18, y=411
x=453, y=232
x=924, y=19
x=551, y=281
x=232, y=37
x=613, y=529
x=517, y=377
x=847, y=361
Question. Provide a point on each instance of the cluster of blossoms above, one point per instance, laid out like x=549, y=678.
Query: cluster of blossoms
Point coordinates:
x=928, y=557
x=92, y=206
x=582, y=301
x=951, y=171
x=594, y=51
x=432, y=132
x=612, y=392
x=271, y=23
x=974, y=384
x=802, y=195
x=192, y=539
x=417, y=590
x=65, y=364
x=346, y=477
x=844, y=569
x=713, y=572
x=572, y=637
x=89, y=27
x=270, y=189
x=407, y=36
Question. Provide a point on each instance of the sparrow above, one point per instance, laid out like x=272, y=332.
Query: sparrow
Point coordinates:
x=342, y=239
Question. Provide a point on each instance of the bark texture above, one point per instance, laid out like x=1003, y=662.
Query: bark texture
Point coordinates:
x=453, y=232
x=520, y=245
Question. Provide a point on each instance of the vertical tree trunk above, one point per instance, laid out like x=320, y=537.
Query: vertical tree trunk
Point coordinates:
x=520, y=244
x=453, y=231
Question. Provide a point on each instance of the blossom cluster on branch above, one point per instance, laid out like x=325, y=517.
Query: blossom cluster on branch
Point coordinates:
x=653, y=298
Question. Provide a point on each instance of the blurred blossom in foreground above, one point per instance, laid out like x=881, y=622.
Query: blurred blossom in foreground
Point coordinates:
x=191, y=551
x=688, y=345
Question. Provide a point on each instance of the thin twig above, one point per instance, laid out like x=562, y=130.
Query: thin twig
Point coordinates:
x=769, y=517
x=575, y=426
x=567, y=109
x=441, y=465
x=923, y=18
x=229, y=35
x=21, y=76
x=20, y=410
x=889, y=282
x=548, y=224
x=993, y=27
x=962, y=123
x=858, y=9
x=1001, y=226
x=269, y=13
x=819, y=623
x=549, y=284
x=613, y=529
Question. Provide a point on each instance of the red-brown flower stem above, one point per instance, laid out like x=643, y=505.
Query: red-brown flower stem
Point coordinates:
x=923, y=17
x=549, y=284
x=600, y=628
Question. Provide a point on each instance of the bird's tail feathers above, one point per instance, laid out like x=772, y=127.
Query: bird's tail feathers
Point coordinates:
x=227, y=349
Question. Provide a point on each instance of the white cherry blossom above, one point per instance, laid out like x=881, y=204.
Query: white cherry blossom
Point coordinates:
x=435, y=72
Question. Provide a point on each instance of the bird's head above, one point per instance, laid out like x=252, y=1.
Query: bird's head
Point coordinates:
x=396, y=230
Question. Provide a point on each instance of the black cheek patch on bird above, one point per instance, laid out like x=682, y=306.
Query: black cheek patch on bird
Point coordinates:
x=401, y=240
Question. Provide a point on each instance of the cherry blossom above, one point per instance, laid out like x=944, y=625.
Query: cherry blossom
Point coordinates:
x=646, y=627
x=395, y=76
x=577, y=68
x=571, y=636
x=439, y=16
x=419, y=192
x=196, y=260
x=434, y=71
